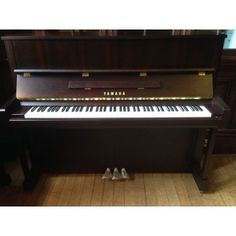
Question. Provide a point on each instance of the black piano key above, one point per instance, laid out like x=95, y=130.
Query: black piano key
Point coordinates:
x=74, y=108
x=144, y=108
x=91, y=109
x=175, y=108
x=134, y=108
x=39, y=109
x=147, y=108
x=181, y=108
x=168, y=108
x=53, y=108
x=191, y=108
x=161, y=107
x=33, y=109
x=185, y=108
x=63, y=108
x=171, y=108
x=138, y=108
x=57, y=108
x=87, y=108
x=151, y=107
x=157, y=107
x=50, y=109
x=199, y=108
x=128, y=108
x=44, y=108
x=67, y=108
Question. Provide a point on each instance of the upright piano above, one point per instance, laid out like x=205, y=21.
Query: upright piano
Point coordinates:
x=144, y=103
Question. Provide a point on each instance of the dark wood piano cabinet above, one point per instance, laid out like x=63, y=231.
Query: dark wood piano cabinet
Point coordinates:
x=164, y=145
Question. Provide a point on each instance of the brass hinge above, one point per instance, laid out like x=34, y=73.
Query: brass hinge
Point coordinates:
x=26, y=75
x=143, y=74
x=201, y=73
x=85, y=75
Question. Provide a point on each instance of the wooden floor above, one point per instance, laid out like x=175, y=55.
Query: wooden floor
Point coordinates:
x=143, y=190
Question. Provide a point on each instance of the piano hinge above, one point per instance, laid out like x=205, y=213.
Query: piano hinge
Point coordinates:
x=201, y=73
x=26, y=75
x=143, y=74
x=85, y=75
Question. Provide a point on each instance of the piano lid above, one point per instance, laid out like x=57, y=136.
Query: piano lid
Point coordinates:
x=114, y=53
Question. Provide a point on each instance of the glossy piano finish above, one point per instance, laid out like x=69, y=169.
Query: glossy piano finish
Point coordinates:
x=70, y=85
x=116, y=71
x=114, y=53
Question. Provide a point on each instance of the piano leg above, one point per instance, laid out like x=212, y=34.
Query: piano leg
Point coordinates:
x=31, y=174
x=5, y=179
x=203, y=159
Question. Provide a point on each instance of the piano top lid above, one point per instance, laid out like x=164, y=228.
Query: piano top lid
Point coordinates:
x=114, y=53
x=118, y=37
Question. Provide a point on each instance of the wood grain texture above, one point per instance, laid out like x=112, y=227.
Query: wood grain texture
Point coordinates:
x=142, y=190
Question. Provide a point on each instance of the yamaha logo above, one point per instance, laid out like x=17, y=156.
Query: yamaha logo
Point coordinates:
x=114, y=93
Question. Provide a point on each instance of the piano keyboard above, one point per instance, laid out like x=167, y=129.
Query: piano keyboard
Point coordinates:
x=77, y=112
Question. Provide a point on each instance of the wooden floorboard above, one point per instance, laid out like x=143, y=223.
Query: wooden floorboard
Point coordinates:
x=152, y=189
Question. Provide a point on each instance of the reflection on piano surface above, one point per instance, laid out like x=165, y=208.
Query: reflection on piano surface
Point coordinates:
x=141, y=103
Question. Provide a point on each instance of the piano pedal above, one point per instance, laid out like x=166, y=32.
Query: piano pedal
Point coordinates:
x=107, y=174
x=124, y=174
x=116, y=174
